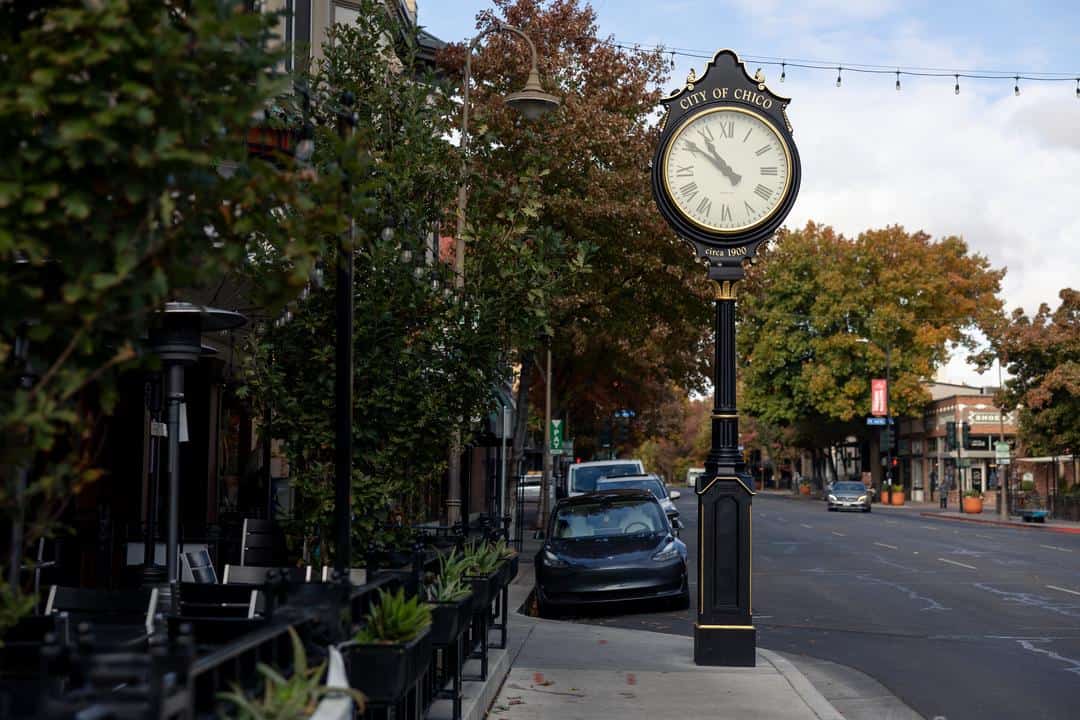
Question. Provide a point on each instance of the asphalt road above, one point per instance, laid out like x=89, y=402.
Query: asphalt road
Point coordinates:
x=958, y=620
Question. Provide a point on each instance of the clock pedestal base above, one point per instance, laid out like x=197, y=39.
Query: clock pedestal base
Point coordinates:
x=725, y=645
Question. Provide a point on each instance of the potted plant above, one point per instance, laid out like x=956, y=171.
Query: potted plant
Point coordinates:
x=896, y=495
x=297, y=696
x=481, y=563
x=392, y=649
x=972, y=502
x=450, y=598
x=804, y=487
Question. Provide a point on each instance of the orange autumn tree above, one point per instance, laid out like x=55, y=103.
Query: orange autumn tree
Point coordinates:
x=815, y=294
x=640, y=321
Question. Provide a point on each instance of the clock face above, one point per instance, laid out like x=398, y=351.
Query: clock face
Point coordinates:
x=727, y=170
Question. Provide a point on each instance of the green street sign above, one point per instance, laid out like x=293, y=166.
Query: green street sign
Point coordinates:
x=1001, y=452
x=556, y=437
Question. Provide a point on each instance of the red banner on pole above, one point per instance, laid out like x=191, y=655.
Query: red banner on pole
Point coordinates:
x=879, y=403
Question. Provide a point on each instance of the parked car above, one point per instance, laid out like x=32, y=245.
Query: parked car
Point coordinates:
x=610, y=546
x=582, y=477
x=849, y=496
x=649, y=482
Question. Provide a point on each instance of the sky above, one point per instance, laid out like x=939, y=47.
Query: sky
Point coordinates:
x=1000, y=170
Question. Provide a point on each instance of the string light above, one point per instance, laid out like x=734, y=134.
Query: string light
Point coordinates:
x=866, y=68
x=897, y=81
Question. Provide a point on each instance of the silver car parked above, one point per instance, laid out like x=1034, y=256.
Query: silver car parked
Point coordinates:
x=849, y=496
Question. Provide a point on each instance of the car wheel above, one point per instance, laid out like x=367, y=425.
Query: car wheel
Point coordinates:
x=867, y=509
x=832, y=509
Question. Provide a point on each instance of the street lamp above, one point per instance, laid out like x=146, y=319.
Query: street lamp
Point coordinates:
x=532, y=102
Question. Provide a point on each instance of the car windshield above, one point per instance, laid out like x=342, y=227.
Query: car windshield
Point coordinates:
x=607, y=518
x=651, y=484
x=585, y=478
x=849, y=487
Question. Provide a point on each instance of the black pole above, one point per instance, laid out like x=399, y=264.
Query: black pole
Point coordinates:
x=343, y=360
x=888, y=415
x=724, y=633
x=175, y=394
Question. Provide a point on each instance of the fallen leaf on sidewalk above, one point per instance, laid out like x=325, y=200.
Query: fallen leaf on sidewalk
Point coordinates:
x=545, y=683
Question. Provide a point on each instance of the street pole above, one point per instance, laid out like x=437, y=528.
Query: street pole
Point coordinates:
x=343, y=366
x=532, y=102
x=1003, y=490
x=888, y=414
x=724, y=632
x=545, y=485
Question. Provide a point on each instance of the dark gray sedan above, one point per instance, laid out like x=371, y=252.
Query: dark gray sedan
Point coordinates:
x=849, y=496
x=610, y=546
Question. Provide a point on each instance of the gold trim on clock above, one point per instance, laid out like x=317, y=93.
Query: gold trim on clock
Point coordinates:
x=671, y=143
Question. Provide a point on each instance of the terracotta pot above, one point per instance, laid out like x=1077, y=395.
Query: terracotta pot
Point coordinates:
x=973, y=505
x=896, y=498
x=804, y=489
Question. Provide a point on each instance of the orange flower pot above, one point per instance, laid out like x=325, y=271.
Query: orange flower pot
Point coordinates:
x=973, y=505
x=804, y=489
x=897, y=498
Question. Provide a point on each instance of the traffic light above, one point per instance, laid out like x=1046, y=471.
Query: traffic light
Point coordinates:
x=965, y=430
x=950, y=436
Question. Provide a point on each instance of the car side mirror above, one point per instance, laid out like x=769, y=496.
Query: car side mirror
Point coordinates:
x=674, y=494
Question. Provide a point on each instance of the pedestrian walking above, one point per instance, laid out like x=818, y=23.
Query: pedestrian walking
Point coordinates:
x=933, y=484
x=945, y=486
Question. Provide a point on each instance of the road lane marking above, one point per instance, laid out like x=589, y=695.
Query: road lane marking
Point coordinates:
x=984, y=537
x=953, y=562
x=1055, y=547
x=809, y=527
x=891, y=522
x=891, y=547
x=927, y=527
x=838, y=534
x=1064, y=590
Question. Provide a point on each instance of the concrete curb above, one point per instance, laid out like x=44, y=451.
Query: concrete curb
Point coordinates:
x=1003, y=523
x=802, y=687
x=477, y=696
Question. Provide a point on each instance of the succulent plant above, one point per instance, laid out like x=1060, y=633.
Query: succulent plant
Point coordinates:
x=394, y=619
x=288, y=698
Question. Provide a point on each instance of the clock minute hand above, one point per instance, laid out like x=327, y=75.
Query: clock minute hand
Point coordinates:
x=714, y=159
x=733, y=176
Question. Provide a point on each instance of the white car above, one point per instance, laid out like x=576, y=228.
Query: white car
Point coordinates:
x=582, y=477
x=529, y=488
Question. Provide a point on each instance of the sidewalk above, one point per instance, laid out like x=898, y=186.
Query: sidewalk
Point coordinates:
x=992, y=518
x=569, y=671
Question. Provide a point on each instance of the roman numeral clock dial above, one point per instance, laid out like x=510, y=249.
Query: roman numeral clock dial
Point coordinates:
x=727, y=170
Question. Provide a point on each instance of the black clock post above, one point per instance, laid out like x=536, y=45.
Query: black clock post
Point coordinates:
x=724, y=632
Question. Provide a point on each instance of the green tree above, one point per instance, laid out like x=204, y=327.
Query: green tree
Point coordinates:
x=119, y=119
x=640, y=321
x=814, y=297
x=1042, y=354
x=426, y=353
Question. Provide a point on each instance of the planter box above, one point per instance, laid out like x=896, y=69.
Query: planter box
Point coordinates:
x=385, y=672
x=972, y=505
x=897, y=498
x=513, y=562
x=484, y=589
x=448, y=619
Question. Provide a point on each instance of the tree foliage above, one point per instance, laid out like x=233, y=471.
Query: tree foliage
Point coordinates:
x=1042, y=354
x=117, y=120
x=814, y=296
x=426, y=353
x=640, y=321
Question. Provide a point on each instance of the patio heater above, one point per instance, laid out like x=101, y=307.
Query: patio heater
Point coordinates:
x=175, y=338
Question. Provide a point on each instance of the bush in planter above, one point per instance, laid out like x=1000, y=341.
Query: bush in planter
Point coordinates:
x=393, y=648
x=973, y=494
x=289, y=698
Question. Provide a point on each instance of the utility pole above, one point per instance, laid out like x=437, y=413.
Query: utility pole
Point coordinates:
x=1003, y=489
x=545, y=484
x=888, y=414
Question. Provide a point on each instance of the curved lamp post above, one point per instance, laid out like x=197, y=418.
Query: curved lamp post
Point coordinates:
x=533, y=103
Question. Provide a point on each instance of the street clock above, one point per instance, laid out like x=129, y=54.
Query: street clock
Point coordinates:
x=726, y=170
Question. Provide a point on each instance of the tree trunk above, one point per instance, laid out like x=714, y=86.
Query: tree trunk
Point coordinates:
x=521, y=426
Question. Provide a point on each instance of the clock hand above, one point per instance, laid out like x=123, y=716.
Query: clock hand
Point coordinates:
x=724, y=167
x=714, y=159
